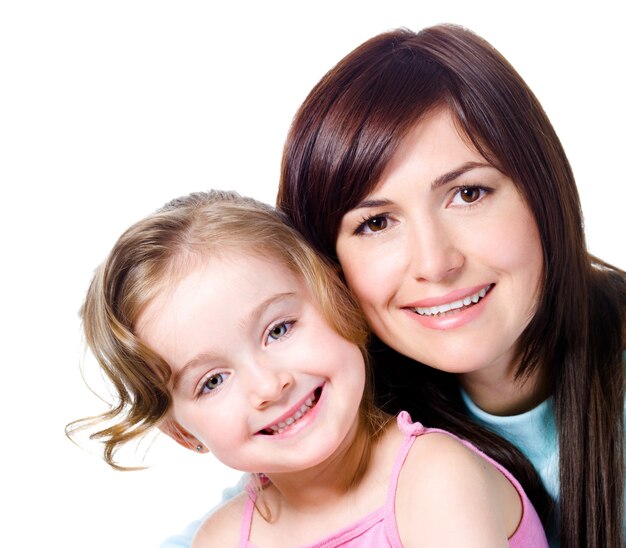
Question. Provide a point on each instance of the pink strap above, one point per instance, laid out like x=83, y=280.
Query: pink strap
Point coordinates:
x=246, y=520
x=411, y=430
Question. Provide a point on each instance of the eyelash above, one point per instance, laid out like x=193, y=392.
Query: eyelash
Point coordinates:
x=360, y=229
x=288, y=324
x=206, y=380
x=484, y=191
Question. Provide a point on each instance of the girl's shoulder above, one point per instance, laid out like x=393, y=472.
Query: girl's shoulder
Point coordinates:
x=449, y=494
x=222, y=527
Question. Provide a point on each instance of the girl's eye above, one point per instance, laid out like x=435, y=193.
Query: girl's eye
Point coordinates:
x=373, y=224
x=468, y=195
x=279, y=330
x=213, y=382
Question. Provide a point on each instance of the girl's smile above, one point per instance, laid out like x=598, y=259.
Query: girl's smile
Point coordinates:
x=297, y=418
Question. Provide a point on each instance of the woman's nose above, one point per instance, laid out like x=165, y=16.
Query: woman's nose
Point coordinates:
x=434, y=251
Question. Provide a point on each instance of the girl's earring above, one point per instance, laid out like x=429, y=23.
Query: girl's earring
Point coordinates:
x=199, y=448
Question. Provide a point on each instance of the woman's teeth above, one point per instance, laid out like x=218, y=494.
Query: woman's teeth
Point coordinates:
x=281, y=426
x=455, y=305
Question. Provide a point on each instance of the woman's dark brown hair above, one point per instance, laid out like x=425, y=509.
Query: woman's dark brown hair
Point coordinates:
x=342, y=138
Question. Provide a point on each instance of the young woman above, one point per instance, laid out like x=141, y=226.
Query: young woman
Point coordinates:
x=424, y=166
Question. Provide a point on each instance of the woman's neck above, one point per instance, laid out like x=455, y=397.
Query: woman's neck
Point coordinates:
x=498, y=392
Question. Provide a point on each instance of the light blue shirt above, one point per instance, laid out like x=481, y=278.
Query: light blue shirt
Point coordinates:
x=534, y=434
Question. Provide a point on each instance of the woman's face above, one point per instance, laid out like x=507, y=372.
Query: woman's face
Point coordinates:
x=444, y=255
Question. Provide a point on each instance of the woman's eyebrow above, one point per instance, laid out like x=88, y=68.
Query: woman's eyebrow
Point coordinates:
x=456, y=173
x=371, y=203
x=439, y=181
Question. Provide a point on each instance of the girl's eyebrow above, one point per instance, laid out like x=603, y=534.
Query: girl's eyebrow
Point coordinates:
x=439, y=181
x=264, y=305
x=203, y=357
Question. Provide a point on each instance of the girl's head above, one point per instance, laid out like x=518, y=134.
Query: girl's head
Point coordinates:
x=209, y=287
x=351, y=137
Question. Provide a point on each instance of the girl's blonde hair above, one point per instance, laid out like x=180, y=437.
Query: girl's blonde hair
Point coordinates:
x=158, y=250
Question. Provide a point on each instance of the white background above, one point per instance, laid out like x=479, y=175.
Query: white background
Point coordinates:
x=109, y=109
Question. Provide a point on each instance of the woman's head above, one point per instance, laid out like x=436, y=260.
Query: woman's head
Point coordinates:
x=350, y=127
x=443, y=252
x=159, y=253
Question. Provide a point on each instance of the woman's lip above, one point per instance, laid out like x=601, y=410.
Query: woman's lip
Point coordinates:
x=450, y=297
x=454, y=318
x=292, y=410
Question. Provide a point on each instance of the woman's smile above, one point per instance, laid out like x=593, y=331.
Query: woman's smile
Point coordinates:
x=430, y=307
x=454, y=314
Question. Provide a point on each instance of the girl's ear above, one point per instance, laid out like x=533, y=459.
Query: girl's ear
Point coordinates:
x=175, y=431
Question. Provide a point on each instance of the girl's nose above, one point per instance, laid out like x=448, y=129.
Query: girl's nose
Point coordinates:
x=269, y=385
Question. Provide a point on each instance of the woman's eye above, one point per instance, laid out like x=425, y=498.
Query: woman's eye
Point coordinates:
x=279, y=330
x=468, y=195
x=213, y=382
x=373, y=224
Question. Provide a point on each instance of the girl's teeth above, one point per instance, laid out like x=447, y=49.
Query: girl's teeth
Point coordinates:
x=282, y=426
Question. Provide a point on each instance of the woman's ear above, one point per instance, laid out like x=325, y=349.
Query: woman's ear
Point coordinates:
x=175, y=431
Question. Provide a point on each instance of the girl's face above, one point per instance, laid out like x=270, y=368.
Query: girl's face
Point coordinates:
x=259, y=378
x=444, y=255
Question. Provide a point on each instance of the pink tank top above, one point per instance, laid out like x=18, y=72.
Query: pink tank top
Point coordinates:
x=378, y=529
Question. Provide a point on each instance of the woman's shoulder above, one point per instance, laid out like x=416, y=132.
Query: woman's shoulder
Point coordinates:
x=222, y=527
x=446, y=488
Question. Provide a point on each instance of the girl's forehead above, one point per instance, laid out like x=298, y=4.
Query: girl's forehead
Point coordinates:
x=216, y=257
x=245, y=265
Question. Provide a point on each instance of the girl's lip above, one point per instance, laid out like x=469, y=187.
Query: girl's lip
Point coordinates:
x=450, y=297
x=293, y=409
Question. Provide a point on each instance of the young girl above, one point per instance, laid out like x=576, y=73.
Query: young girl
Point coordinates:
x=220, y=326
